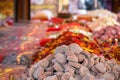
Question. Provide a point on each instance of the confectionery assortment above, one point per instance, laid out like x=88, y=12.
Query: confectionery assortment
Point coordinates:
x=82, y=47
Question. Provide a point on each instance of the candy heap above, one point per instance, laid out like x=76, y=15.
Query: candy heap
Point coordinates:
x=73, y=63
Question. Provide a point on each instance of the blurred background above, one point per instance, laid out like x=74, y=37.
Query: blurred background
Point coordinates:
x=31, y=9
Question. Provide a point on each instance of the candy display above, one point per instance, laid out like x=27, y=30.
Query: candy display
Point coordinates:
x=109, y=39
x=99, y=19
x=82, y=47
x=107, y=33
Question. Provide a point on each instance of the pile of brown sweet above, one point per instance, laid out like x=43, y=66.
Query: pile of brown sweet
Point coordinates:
x=73, y=63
